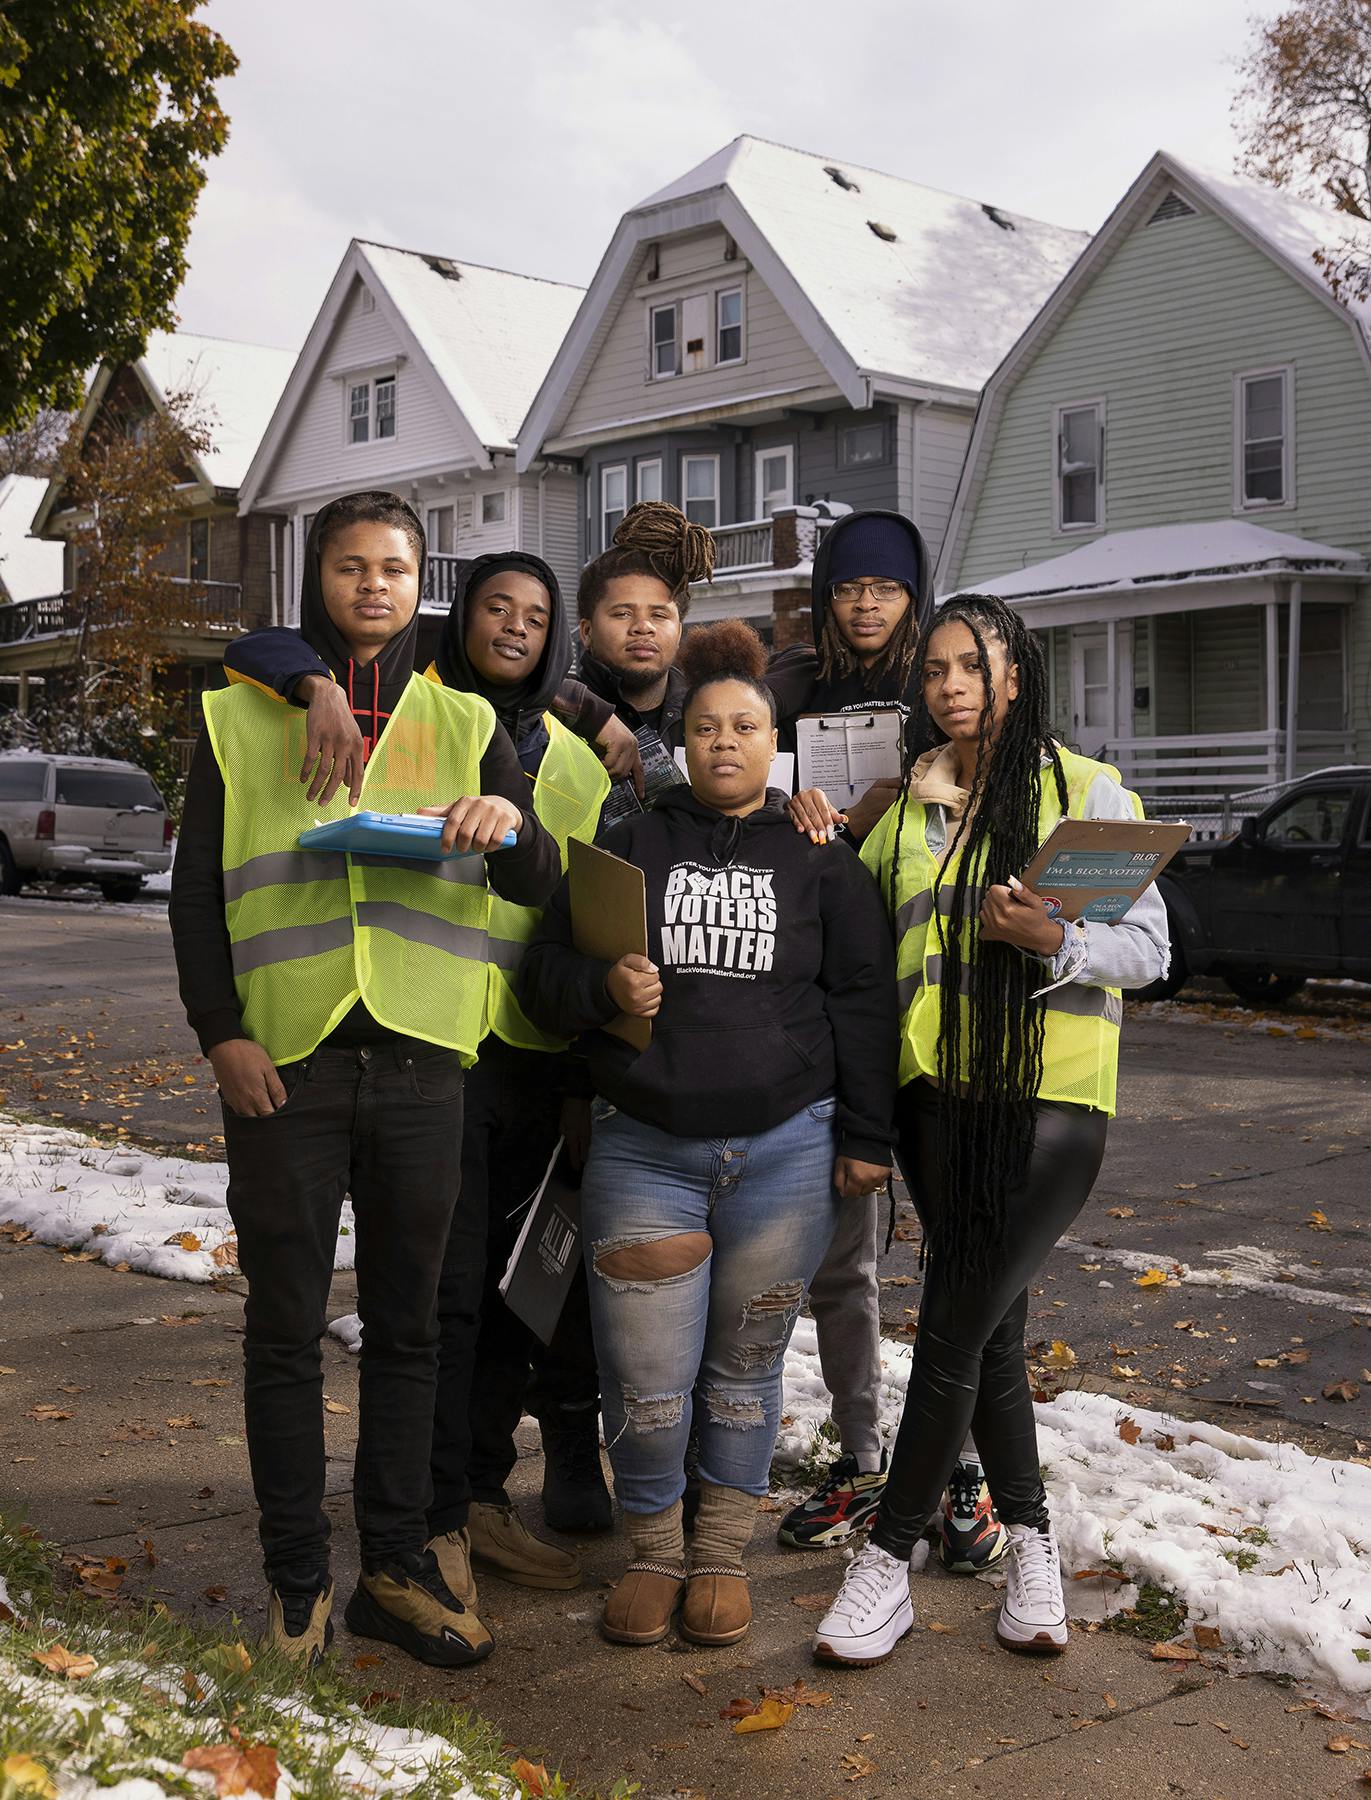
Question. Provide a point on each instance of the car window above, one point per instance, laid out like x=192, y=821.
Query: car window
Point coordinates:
x=23, y=780
x=1315, y=816
x=107, y=787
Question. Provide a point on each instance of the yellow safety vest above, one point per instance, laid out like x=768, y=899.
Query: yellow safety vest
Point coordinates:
x=314, y=931
x=568, y=792
x=1081, y=1022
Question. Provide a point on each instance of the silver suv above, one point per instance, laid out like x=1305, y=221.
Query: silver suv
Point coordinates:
x=80, y=818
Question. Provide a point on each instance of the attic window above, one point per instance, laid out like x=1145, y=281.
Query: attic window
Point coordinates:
x=444, y=266
x=368, y=300
x=996, y=217
x=839, y=179
x=882, y=231
x=1173, y=207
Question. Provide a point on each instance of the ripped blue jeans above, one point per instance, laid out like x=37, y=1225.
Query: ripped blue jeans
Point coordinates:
x=759, y=1213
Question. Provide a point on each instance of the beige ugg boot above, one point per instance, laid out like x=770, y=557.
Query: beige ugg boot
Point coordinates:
x=718, y=1607
x=640, y=1609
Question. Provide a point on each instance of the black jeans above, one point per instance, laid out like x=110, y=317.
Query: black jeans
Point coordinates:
x=491, y=1366
x=384, y=1124
x=968, y=1365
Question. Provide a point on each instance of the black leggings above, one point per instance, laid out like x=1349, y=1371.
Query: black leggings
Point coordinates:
x=968, y=1366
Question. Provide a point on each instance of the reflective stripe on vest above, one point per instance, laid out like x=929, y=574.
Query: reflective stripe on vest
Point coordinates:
x=312, y=932
x=568, y=792
x=1081, y=1021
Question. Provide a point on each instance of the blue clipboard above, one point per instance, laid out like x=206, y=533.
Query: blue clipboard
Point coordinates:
x=407, y=836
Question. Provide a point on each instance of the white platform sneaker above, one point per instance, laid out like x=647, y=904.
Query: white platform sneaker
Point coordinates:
x=871, y=1614
x=1033, y=1616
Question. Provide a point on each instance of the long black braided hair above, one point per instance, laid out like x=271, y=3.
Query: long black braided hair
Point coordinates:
x=989, y=1073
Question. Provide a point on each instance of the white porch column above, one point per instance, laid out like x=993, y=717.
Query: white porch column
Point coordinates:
x=1273, y=666
x=1111, y=640
x=1292, y=679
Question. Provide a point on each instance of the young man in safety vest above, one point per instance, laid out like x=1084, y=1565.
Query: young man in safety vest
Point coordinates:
x=507, y=640
x=339, y=999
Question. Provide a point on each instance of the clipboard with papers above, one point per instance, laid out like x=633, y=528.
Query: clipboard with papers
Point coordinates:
x=609, y=919
x=843, y=753
x=1095, y=869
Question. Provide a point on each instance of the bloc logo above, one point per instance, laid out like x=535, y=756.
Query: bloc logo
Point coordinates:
x=719, y=921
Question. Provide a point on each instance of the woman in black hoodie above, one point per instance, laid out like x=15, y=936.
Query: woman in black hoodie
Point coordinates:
x=722, y=1154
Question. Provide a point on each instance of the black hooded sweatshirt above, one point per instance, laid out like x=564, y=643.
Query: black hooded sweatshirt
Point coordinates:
x=525, y=873
x=778, y=975
x=794, y=672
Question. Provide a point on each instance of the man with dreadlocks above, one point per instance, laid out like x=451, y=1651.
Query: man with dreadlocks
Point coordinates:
x=1008, y=1068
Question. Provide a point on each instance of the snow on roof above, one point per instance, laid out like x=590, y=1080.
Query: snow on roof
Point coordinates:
x=29, y=568
x=238, y=386
x=1167, y=553
x=940, y=302
x=489, y=334
x=1292, y=227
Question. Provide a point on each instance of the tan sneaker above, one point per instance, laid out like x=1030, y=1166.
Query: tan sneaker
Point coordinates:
x=299, y=1626
x=640, y=1609
x=406, y=1602
x=453, y=1551
x=502, y=1543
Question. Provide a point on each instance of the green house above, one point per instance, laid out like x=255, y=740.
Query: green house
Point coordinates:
x=1170, y=475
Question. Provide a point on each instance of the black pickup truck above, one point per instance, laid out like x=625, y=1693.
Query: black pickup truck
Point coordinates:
x=1288, y=898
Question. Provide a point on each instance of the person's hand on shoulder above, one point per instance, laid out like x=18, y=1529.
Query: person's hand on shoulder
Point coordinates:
x=874, y=804
x=247, y=1078
x=478, y=823
x=335, y=751
x=635, y=987
x=814, y=813
x=855, y=1179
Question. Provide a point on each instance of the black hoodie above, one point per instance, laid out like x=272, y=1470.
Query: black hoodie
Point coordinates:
x=524, y=874
x=778, y=976
x=794, y=672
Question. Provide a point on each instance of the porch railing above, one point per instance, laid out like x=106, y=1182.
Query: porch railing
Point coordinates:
x=440, y=579
x=743, y=546
x=788, y=538
x=202, y=606
x=1221, y=763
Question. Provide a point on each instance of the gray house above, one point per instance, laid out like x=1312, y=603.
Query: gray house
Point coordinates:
x=1170, y=476
x=776, y=331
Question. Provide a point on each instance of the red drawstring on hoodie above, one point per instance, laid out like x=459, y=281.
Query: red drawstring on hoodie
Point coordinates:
x=376, y=714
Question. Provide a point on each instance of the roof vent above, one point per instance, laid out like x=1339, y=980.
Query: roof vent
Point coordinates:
x=839, y=179
x=882, y=231
x=444, y=266
x=996, y=217
x=1173, y=207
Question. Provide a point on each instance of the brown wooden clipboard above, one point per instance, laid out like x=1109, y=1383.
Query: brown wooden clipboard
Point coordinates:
x=609, y=920
x=1137, y=849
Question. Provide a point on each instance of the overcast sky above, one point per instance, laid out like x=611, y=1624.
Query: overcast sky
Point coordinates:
x=516, y=134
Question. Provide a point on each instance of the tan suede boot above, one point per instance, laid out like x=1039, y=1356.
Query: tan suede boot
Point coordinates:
x=504, y=1545
x=718, y=1606
x=640, y=1609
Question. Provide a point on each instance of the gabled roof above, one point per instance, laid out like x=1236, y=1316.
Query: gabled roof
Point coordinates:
x=234, y=385
x=1170, y=553
x=934, y=306
x=1287, y=229
x=30, y=569
x=486, y=337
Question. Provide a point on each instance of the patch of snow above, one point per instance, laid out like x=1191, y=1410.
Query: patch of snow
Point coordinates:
x=121, y=1203
x=348, y=1331
x=1246, y=1267
x=237, y=386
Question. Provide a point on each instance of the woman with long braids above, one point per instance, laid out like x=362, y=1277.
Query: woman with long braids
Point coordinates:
x=1008, y=1064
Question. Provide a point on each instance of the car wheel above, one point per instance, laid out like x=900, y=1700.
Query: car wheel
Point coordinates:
x=10, y=880
x=121, y=890
x=1259, y=987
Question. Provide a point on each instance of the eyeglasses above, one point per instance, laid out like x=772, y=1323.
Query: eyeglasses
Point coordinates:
x=880, y=590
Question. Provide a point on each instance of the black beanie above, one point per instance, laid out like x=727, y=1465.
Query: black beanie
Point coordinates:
x=875, y=547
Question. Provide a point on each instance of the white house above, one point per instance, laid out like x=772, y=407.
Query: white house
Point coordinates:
x=414, y=377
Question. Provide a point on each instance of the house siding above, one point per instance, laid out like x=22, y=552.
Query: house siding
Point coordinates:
x=315, y=456
x=617, y=388
x=939, y=437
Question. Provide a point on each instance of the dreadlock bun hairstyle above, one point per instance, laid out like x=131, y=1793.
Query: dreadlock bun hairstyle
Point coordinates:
x=370, y=506
x=990, y=1050
x=728, y=651
x=654, y=539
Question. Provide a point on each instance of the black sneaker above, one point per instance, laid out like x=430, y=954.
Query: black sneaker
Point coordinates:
x=407, y=1603
x=575, y=1498
x=299, y=1625
x=844, y=1504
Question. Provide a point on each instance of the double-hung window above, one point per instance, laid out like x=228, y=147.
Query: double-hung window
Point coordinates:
x=728, y=346
x=648, y=478
x=359, y=412
x=613, y=500
x=700, y=489
x=1079, y=435
x=1262, y=429
x=371, y=412
x=666, y=346
x=775, y=479
x=385, y=406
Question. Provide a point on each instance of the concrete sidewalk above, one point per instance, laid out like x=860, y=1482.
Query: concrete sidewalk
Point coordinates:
x=151, y=1464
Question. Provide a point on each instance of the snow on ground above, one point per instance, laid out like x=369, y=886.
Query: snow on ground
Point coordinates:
x=1244, y=1266
x=156, y=1215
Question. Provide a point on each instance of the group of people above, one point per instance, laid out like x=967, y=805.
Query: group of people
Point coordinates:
x=829, y=992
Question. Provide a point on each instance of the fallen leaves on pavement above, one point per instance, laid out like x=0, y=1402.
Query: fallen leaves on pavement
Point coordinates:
x=770, y=1715
x=237, y=1768
x=534, y=1776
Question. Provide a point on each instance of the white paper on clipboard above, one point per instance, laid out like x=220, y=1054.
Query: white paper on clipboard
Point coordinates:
x=843, y=753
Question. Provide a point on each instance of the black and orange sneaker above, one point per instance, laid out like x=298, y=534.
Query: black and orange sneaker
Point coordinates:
x=971, y=1537
x=843, y=1505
